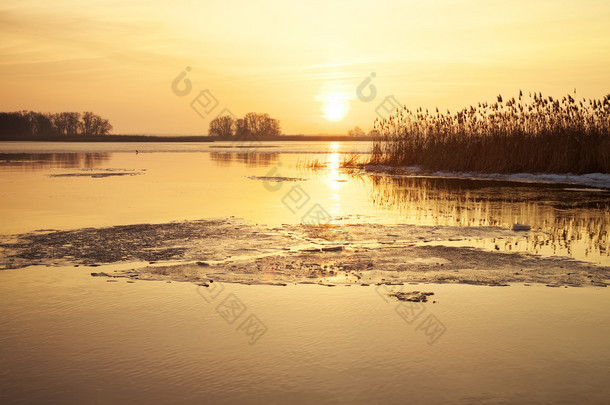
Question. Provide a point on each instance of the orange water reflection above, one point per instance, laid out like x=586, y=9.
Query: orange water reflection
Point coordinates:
x=568, y=222
x=38, y=161
x=250, y=159
x=172, y=186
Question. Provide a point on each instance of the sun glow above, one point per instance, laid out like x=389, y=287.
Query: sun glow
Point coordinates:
x=335, y=107
x=314, y=81
x=334, y=111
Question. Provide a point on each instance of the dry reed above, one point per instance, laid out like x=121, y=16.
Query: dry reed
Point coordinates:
x=535, y=134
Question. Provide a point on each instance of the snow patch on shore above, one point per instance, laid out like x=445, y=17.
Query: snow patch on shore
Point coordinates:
x=599, y=180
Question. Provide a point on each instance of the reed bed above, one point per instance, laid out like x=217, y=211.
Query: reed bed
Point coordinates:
x=312, y=164
x=350, y=161
x=532, y=134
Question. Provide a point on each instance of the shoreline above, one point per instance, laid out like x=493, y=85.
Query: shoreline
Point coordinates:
x=591, y=180
x=189, y=138
x=594, y=180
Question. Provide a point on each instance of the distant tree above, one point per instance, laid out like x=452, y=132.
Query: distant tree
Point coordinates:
x=257, y=126
x=14, y=125
x=92, y=124
x=25, y=124
x=271, y=126
x=87, y=123
x=355, y=132
x=34, y=125
x=102, y=126
x=72, y=120
x=222, y=127
x=40, y=124
x=67, y=123
x=58, y=122
x=241, y=129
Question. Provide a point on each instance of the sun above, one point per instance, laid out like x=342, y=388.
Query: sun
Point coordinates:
x=334, y=107
x=334, y=111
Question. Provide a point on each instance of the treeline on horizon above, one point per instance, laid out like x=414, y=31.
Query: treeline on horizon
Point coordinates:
x=31, y=125
x=532, y=134
x=251, y=126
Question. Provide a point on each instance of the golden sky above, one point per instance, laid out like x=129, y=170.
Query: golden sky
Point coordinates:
x=301, y=62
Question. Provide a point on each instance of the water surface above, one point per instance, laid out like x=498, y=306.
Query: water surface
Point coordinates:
x=75, y=185
x=67, y=336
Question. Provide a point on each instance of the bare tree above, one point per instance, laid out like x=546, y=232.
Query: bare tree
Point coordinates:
x=222, y=127
x=241, y=129
x=40, y=124
x=257, y=126
x=72, y=122
x=87, y=123
x=67, y=123
x=93, y=124
x=58, y=123
x=35, y=125
x=355, y=132
x=102, y=126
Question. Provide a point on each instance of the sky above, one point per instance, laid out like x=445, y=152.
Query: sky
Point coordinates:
x=320, y=67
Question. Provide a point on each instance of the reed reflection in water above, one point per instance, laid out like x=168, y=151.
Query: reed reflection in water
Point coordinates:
x=564, y=221
x=40, y=161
